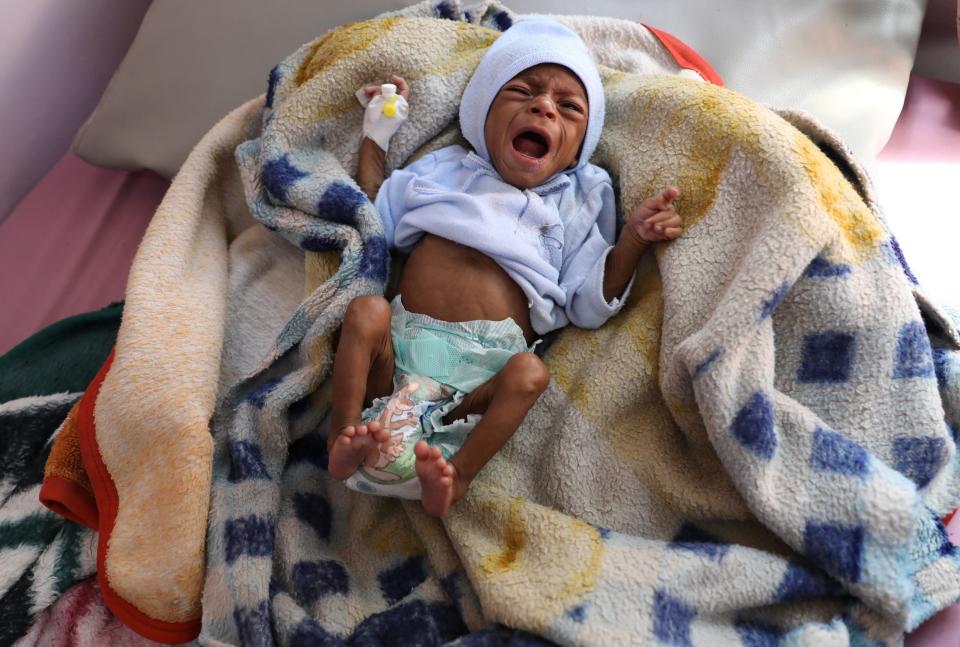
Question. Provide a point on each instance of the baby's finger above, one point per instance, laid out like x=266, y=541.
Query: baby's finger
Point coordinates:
x=402, y=88
x=661, y=217
x=672, y=232
x=674, y=221
x=371, y=90
x=668, y=195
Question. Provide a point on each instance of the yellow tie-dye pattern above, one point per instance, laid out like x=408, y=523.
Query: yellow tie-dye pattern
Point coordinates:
x=581, y=582
x=341, y=43
x=514, y=539
x=464, y=45
x=860, y=228
x=563, y=553
x=470, y=46
x=639, y=322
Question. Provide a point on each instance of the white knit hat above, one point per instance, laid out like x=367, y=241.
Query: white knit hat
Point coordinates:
x=530, y=41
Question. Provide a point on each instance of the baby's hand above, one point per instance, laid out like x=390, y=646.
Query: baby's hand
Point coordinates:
x=383, y=115
x=402, y=88
x=655, y=219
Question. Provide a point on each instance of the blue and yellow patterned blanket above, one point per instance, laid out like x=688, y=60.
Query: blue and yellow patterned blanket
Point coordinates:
x=756, y=451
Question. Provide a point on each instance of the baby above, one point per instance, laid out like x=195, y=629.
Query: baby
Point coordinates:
x=506, y=242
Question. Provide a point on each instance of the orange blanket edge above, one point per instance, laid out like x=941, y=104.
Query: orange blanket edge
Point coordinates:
x=105, y=494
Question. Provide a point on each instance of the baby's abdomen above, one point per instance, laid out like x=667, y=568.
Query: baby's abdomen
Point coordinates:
x=453, y=282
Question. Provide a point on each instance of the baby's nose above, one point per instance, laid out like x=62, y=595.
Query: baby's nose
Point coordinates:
x=544, y=105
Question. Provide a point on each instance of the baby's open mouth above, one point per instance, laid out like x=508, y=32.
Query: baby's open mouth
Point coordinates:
x=531, y=144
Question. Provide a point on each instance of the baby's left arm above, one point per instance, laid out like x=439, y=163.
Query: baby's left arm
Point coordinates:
x=654, y=220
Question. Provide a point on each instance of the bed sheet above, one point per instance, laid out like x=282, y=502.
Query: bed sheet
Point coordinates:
x=68, y=245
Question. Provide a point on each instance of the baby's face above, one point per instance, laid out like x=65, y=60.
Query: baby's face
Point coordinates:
x=536, y=124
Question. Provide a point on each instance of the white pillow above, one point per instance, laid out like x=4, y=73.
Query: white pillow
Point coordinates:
x=845, y=61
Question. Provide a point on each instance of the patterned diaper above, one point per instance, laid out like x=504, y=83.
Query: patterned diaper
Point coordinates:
x=437, y=363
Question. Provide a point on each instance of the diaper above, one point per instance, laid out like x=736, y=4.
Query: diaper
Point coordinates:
x=436, y=364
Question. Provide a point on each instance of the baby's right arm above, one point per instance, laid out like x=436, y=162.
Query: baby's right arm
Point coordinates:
x=370, y=170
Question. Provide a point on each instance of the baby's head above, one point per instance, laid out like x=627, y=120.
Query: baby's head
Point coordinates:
x=534, y=106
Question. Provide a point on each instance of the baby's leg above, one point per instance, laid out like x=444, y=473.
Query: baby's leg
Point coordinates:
x=504, y=401
x=362, y=371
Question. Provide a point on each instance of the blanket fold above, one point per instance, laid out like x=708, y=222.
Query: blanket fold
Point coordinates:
x=756, y=449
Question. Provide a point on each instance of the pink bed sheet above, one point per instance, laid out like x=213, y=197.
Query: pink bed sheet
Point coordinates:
x=67, y=247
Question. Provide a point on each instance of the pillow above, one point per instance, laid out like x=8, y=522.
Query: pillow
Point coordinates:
x=845, y=61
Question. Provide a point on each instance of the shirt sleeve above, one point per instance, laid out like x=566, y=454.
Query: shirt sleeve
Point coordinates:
x=583, y=270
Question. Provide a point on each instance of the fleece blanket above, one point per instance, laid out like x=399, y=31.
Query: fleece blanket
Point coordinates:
x=41, y=554
x=79, y=618
x=41, y=382
x=757, y=450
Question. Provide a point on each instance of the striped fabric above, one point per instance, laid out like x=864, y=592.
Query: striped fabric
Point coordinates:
x=41, y=554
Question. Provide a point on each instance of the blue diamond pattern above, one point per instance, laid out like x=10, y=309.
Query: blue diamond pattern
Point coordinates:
x=604, y=532
x=313, y=580
x=947, y=547
x=310, y=634
x=753, y=426
x=398, y=582
x=258, y=397
x=375, y=259
x=832, y=452
x=758, y=634
x=445, y=10
x=800, y=583
x=578, y=613
x=314, y=510
x=898, y=253
x=941, y=360
x=502, y=20
x=706, y=363
x=821, y=268
x=770, y=304
x=251, y=535
x=253, y=625
x=913, y=357
x=246, y=462
x=695, y=539
x=671, y=620
x=837, y=549
x=411, y=623
x=827, y=357
x=340, y=202
x=272, y=81
x=279, y=175
x=918, y=458
x=319, y=243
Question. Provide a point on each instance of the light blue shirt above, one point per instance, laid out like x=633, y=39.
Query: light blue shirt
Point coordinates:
x=552, y=240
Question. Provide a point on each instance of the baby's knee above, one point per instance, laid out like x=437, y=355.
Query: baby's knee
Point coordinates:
x=368, y=312
x=527, y=374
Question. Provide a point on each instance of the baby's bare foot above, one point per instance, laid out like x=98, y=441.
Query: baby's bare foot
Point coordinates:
x=354, y=445
x=437, y=480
